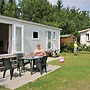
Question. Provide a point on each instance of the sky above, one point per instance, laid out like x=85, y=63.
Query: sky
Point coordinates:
x=81, y=4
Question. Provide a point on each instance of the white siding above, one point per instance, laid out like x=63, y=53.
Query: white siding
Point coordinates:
x=83, y=39
x=29, y=27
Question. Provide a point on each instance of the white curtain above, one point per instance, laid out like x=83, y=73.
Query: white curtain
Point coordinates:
x=10, y=40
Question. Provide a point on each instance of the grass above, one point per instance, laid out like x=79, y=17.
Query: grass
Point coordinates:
x=3, y=88
x=74, y=75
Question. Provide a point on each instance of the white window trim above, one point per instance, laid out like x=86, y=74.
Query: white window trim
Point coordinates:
x=87, y=37
x=53, y=35
x=38, y=35
x=49, y=41
x=51, y=46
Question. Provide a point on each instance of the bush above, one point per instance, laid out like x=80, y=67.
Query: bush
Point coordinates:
x=70, y=47
x=67, y=47
x=84, y=48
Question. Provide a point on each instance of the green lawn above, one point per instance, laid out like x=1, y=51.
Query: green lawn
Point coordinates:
x=74, y=75
x=3, y=88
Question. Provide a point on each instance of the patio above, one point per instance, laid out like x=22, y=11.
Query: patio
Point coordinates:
x=26, y=77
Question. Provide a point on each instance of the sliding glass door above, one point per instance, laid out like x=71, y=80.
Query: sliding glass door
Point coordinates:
x=18, y=42
x=49, y=40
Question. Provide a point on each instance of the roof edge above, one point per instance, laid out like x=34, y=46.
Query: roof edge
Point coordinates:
x=84, y=30
x=29, y=22
x=66, y=35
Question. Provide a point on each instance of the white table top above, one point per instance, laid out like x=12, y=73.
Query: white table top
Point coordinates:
x=7, y=55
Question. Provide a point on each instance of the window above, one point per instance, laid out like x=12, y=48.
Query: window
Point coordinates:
x=49, y=35
x=54, y=35
x=49, y=45
x=18, y=41
x=87, y=37
x=49, y=40
x=35, y=35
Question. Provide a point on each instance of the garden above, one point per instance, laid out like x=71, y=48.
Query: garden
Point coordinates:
x=73, y=75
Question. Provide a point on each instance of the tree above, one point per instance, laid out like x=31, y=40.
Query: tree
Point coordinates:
x=11, y=9
x=11, y=1
x=59, y=4
x=71, y=20
x=2, y=4
x=38, y=10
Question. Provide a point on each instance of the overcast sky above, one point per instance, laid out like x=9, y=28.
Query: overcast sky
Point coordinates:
x=81, y=4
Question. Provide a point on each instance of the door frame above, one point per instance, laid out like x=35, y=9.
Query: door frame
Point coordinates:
x=14, y=38
x=49, y=40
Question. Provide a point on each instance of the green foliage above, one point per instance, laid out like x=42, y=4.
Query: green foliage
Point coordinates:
x=3, y=88
x=71, y=20
x=10, y=9
x=39, y=10
x=12, y=1
x=70, y=47
x=84, y=48
x=59, y=4
x=67, y=47
x=2, y=4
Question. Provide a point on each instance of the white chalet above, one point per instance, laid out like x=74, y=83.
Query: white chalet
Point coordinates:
x=85, y=36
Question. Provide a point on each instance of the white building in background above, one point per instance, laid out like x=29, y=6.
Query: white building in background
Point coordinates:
x=85, y=36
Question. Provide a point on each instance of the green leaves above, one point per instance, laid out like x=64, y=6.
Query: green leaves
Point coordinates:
x=71, y=20
x=10, y=10
x=38, y=9
x=2, y=3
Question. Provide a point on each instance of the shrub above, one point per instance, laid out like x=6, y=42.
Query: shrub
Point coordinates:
x=67, y=47
x=84, y=48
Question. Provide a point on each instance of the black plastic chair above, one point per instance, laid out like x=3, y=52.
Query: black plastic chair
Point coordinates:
x=10, y=65
x=22, y=62
x=41, y=64
x=38, y=65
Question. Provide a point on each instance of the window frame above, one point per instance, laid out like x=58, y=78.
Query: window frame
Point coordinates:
x=87, y=37
x=54, y=35
x=14, y=50
x=33, y=36
x=49, y=39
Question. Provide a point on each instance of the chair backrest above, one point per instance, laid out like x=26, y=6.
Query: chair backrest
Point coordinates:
x=19, y=55
x=6, y=63
x=44, y=59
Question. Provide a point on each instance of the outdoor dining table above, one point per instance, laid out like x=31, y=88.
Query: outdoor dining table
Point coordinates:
x=32, y=61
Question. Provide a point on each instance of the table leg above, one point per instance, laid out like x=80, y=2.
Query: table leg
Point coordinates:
x=33, y=63
x=31, y=68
